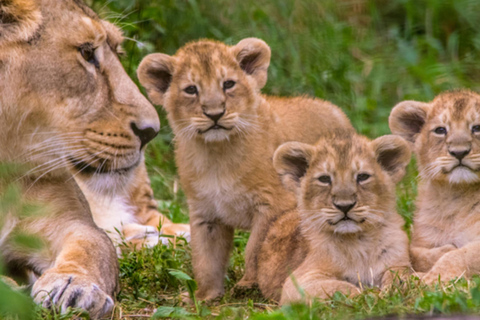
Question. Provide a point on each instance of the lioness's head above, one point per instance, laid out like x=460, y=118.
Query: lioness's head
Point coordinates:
x=210, y=90
x=445, y=133
x=344, y=184
x=64, y=93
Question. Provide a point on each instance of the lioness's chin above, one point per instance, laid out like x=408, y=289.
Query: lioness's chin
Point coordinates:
x=347, y=227
x=106, y=184
x=463, y=175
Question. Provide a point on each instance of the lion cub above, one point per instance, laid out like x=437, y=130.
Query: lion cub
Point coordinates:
x=345, y=233
x=445, y=134
x=226, y=134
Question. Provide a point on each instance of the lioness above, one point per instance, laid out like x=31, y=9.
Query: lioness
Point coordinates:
x=345, y=232
x=445, y=134
x=66, y=105
x=226, y=133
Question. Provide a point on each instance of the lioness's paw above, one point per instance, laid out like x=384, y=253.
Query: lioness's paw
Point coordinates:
x=177, y=229
x=67, y=290
x=141, y=235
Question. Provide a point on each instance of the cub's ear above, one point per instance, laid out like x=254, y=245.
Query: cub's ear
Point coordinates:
x=393, y=154
x=407, y=119
x=155, y=74
x=253, y=56
x=19, y=20
x=291, y=160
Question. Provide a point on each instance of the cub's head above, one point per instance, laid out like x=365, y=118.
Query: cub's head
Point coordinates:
x=210, y=90
x=446, y=135
x=344, y=184
x=65, y=92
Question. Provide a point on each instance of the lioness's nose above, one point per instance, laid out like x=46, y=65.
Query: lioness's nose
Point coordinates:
x=345, y=207
x=459, y=154
x=146, y=132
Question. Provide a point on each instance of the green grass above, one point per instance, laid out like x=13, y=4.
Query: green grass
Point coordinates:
x=363, y=55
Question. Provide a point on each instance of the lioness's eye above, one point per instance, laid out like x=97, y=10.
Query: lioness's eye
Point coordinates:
x=228, y=84
x=363, y=177
x=88, y=53
x=191, y=90
x=325, y=179
x=476, y=128
x=440, y=130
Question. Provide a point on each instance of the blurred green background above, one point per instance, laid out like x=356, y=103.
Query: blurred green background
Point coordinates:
x=363, y=55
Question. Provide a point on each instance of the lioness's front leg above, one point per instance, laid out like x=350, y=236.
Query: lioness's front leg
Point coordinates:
x=423, y=258
x=211, y=245
x=84, y=274
x=78, y=265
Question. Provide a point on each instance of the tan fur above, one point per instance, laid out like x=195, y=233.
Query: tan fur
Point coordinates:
x=130, y=214
x=325, y=252
x=66, y=106
x=226, y=171
x=446, y=232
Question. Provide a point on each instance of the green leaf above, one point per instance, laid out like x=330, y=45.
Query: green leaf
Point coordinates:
x=163, y=312
x=179, y=274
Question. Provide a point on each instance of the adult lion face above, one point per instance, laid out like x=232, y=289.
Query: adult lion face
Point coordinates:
x=446, y=135
x=69, y=98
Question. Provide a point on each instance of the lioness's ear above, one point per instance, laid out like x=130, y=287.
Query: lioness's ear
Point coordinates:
x=253, y=56
x=393, y=154
x=407, y=119
x=155, y=74
x=291, y=160
x=19, y=20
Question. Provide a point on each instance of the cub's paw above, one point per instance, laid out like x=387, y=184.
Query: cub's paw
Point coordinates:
x=61, y=291
x=246, y=289
x=432, y=276
x=210, y=296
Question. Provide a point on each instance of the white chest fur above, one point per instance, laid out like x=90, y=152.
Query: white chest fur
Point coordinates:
x=226, y=198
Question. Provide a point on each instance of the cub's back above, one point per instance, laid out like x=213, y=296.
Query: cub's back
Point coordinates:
x=286, y=249
x=306, y=119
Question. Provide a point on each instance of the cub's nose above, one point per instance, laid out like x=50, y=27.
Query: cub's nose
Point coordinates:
x=145, y=133
x=459, y=154
x=215, y=116
x=345, y=207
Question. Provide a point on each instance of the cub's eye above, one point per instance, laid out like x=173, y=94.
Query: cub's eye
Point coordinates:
x=88, y=53
x=476, y=128
x=363, y=177
x=325, y=179
x=440, y=130
x=228, y=84
x=191, y=90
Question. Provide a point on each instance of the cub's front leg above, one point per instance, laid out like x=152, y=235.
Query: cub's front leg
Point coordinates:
x=423, y=259
x=315, y=288
x=314, y=282
x=211, y=245
x=257, y=235
x=464, y=261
